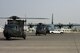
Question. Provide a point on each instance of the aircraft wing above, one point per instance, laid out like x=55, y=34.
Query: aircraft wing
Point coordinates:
x=68, y=24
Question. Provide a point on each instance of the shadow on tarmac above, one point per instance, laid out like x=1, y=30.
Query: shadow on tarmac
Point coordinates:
x=11, y=39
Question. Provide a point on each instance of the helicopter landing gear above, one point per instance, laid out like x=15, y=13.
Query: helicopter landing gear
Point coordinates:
x=7, y=38
x=24, y=36
x=6, y=35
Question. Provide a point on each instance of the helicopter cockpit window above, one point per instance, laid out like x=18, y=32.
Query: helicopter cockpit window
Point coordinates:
x=40, y=27
x=13, y=27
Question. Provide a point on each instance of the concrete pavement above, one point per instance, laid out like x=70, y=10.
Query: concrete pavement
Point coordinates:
x=51, y=43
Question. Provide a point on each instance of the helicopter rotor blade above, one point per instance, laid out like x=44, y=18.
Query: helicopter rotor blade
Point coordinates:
x=33, y=18
x=4, y=17
x=23, y=18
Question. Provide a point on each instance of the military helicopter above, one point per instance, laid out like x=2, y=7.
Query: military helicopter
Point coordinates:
x=41, y=29
x=14, y=28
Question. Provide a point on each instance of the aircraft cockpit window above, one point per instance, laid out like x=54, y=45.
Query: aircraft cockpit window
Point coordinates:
x=41, y=27
x=13, y=27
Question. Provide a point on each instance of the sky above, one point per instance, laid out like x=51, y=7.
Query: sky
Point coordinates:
x=64, y=11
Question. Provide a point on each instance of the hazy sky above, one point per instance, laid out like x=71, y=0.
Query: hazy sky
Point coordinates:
x=64, y=11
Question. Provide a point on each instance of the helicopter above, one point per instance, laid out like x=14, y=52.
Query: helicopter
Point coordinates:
x=42, y=29
x=14, y=28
